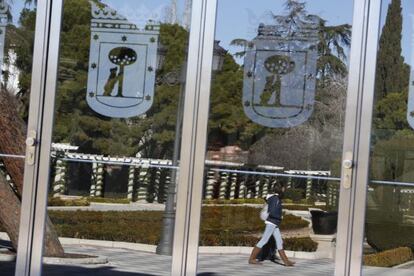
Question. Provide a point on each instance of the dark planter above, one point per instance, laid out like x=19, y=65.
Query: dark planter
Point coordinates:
x=324, y=223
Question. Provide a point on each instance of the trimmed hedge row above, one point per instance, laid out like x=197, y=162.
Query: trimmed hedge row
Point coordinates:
x=221, y=225
x=57, y=201
x=109, y=200
x=84, y=201
x=389, y=258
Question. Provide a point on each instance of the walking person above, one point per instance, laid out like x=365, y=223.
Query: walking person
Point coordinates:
x=273, y=220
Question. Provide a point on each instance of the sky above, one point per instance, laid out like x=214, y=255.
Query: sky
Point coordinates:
x=240, y=18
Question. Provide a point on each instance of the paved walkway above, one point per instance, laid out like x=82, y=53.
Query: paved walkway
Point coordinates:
x=125, y=262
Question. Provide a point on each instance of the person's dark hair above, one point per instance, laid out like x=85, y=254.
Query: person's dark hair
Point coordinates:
x=278, y=189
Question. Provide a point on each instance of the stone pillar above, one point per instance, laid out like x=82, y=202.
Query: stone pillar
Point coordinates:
x=266, y=184
x=131, y=182
x=289, y=184
x=59, y=182
x=211, y=179
x=309, y=188
x=157, y=179
x=167, y=180
x=223, y=184
x=242, y=189
x=233, y=183
x=99, y=179
x=143, y=184
x=94, y=175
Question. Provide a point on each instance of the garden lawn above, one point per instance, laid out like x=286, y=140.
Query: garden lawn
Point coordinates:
x=220, y=226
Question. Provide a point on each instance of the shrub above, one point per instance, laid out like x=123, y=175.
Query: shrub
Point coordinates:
x=291, y=222
x=305, y=244
x=234, y=201
x=383, y=235
x=57, y=201
x=294, y=194
x=109, y=200
x=389, y=258
x=221, y=225
x=302, y=207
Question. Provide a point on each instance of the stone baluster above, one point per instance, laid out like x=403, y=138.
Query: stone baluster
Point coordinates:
x=94, y=176
x=211, y=180
x=143, y=183
x=59, y=183
x=223, y=184
x=99, y=179
x=308, y=188
x=233, y=183
x=131, y=182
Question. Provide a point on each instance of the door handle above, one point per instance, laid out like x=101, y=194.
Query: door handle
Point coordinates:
x=31, y=144
x=348, y=168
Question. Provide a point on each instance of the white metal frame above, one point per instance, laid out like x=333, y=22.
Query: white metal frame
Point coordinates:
x=33, y=210
x=189, y=194
x=357, y=140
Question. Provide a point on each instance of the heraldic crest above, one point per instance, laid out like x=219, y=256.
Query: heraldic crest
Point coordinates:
x=280, y=74
x=122, y=64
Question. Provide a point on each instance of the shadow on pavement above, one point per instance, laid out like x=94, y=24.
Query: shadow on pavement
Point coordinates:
x=7, y=269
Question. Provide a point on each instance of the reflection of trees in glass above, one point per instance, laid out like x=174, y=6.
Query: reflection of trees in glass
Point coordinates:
x=333, y=40
x=318, y=143
x=392, y=139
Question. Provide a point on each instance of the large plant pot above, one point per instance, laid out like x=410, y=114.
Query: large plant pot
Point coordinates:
x=324, y=223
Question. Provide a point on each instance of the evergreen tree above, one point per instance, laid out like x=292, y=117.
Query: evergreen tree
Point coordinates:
x=392, y=73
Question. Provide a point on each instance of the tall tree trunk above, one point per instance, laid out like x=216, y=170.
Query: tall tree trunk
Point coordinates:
x=12, y=141
x=9, y=210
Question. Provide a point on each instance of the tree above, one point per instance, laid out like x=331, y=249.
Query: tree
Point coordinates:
x=392, y=75
x=12, y=139
x=333, y=40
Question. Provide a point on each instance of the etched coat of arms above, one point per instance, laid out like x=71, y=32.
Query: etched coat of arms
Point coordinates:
x=122, y=64
x=280, y=75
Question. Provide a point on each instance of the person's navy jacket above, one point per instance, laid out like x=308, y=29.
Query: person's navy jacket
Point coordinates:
x=275, y=210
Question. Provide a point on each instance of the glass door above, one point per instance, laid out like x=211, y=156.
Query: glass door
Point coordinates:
x=111, y=140
x=275, y=134
x=17, y=36
x=389, y=236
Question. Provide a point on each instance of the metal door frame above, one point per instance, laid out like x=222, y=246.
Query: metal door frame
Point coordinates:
x=360, y=103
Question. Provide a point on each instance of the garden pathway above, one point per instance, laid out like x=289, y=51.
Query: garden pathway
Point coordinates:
x=125, y=262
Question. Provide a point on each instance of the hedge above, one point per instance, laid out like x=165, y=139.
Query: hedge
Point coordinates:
x=389, y=258
x=57, y=201
x=220, y=225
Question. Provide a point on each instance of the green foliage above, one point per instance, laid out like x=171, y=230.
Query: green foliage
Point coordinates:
x=392, y=74
x=304, y=244
x=389, y=258
x=234, y=201
x=57, y=201
x=109, y=200
x=294, y=194
x=221, y=226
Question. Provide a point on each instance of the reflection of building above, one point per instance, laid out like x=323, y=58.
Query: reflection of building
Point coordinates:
x=229, y=154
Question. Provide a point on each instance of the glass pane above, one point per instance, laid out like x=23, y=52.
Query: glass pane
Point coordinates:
x=117, y=135
x=389, y=227
x=276, y=128
x=17, y=25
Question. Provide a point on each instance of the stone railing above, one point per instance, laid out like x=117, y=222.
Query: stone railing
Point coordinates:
x=148, y=179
